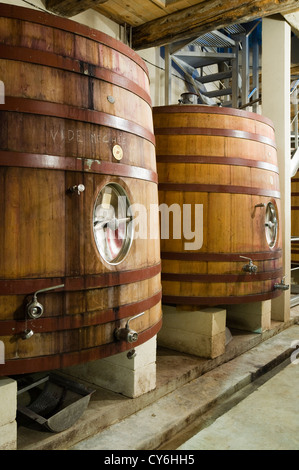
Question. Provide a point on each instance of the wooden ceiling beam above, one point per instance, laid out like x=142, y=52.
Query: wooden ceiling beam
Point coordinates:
x=293, y=19
x=204, y=17
x=70, y=8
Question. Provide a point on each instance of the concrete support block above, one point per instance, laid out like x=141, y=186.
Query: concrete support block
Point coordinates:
x=8, y=400
x=130, y=377
x=8, y=436
x=254, y=317
x=8, y=412
x=198, y=332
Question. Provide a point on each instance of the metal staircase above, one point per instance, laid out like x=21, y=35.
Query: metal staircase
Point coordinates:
x=221, y=67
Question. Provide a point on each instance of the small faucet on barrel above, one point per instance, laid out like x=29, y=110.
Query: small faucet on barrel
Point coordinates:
x=35, y=310
x=249, y=267
x=281, y=285
x=127, y=334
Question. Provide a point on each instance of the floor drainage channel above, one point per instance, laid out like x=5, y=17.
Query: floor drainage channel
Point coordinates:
x=262, y=376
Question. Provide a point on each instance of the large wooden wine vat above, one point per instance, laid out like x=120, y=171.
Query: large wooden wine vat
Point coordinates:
x=76, y=137
x=224, y=160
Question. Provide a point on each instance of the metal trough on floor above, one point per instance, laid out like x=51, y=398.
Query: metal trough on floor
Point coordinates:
x=54, y=401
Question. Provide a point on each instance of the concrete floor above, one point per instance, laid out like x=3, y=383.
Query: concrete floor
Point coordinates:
x=267, y=419
x=192, y=396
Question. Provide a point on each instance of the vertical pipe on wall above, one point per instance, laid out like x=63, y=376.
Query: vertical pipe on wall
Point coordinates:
x=245, y=69
x=167, y=75
x=235, y=77
x=255, y=74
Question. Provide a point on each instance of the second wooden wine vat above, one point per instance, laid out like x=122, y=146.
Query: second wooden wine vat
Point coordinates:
x=76, y=137
x=225, y=161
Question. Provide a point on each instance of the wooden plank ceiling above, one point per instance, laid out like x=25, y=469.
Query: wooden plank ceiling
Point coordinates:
x=160, y=22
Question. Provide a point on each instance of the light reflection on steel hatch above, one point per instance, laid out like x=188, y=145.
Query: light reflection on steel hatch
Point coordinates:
x=271, y=224
x=112, y=223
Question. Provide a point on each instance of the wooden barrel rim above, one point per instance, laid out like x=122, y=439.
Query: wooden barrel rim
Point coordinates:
x=50, y=59
x=218, y=188
x=54, y=162
x=218, y=160
x=193, y=108
x=219, y=278
x=259, y=256
x=91, y=281
x=229, y=300
x=57, y=22
x=50, y=324
x=46, y=108
x=60, y=361
x=235, y=133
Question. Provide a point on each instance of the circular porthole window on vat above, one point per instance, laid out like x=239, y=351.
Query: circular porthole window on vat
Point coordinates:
x=112, y=223
x=271, y=224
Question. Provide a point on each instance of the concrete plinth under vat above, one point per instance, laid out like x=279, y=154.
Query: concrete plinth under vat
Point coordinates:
x=199, y=332
x=254, y=317
x=8, y=411
x=130, y=377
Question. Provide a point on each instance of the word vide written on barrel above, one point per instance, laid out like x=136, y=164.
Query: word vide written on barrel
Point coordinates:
x=187, y=223
x=79, y=136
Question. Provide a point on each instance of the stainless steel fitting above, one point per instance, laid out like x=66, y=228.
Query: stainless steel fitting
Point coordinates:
x=78, y=188
x=282, y=285
x=26, y=334
x=34, y=309
x=127, y=334
x=250, y=267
